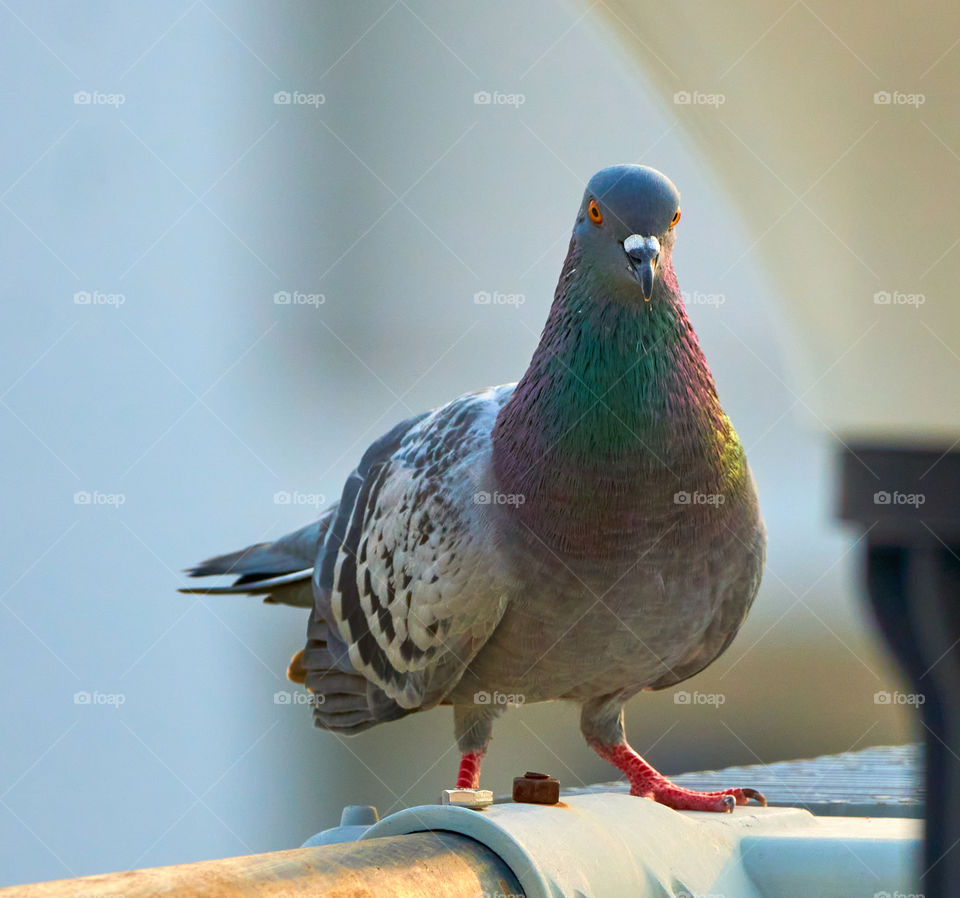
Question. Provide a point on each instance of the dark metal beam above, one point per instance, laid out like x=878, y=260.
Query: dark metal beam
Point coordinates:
x=908, y=501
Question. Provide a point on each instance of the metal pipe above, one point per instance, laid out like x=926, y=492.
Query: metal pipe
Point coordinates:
x=419, y=865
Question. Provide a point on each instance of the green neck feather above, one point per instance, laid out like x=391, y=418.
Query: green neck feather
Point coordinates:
x=618, y=410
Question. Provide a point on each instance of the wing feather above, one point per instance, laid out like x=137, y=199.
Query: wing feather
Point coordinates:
x=408, y=563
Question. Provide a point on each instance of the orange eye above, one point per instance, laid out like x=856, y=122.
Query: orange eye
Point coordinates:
x=593, y=210
x=676, y=218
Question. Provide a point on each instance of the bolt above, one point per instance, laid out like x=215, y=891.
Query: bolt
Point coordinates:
x=477, y=799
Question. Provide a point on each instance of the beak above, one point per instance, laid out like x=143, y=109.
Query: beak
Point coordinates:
x=644, y=254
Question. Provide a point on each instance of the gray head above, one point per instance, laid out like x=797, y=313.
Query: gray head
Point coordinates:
x=624, y=229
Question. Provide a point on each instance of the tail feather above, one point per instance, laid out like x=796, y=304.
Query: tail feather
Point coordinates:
x=344, y=701
x=285, y=589
x=281, y=570
x=253, y=563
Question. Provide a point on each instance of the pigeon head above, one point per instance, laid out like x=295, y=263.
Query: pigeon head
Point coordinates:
x=624, y=230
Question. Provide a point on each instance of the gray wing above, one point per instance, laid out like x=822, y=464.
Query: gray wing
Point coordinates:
x=407, y=576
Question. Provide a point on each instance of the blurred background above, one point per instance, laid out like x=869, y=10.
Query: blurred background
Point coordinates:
x=241, y=240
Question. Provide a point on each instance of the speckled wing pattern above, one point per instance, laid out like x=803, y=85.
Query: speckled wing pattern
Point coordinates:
x=407, y=566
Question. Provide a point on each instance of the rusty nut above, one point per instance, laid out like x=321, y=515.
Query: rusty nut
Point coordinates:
x=536, y=788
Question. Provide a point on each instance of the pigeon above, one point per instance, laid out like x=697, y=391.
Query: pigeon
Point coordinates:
x=588, y=533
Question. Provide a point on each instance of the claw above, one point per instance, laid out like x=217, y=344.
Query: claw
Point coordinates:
x=755, y=795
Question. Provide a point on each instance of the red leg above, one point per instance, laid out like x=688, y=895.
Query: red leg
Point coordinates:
x=649, y=783
x=469, y=776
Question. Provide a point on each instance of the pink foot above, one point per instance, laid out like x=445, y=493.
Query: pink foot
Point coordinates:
x=469, y=776
x=649, y=783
